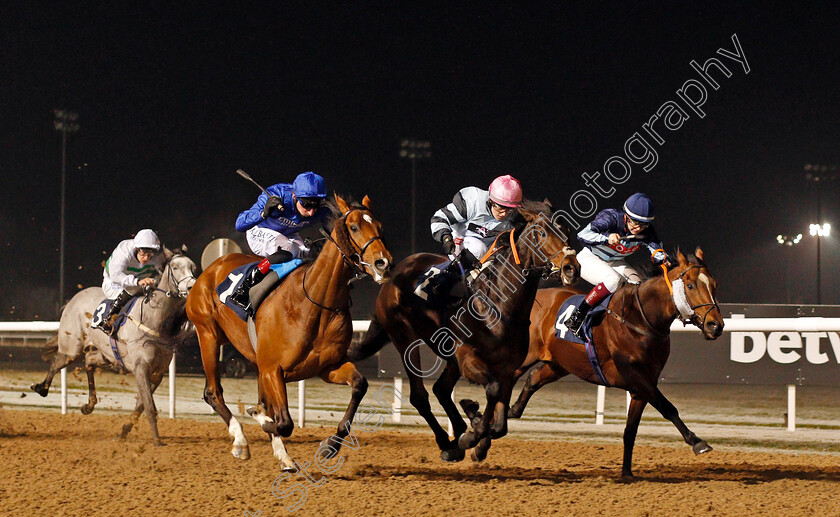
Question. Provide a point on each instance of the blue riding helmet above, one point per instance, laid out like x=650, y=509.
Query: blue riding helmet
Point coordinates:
x=639, y=208
x=309, y=184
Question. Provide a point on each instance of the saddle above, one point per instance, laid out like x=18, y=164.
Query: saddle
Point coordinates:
x=590, y=321
x=259, y=292
x=442, y=285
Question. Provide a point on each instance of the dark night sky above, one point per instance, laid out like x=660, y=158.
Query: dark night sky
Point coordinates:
x=171, y=102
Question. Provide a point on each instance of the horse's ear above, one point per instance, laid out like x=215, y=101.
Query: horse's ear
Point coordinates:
x=681, y=258
x=366, y=202
x=699, y=254
x=548, y=204
x=342, y=205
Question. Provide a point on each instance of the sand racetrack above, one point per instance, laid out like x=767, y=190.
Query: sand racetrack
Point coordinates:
x=71, y=465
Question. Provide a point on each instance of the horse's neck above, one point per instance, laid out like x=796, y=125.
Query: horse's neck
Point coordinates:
x=657, y=303
x=510, y=288
x=326, y=279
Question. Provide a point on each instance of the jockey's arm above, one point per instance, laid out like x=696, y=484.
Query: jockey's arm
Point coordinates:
x=117, y=267
x=249, y=218
x=455, y=212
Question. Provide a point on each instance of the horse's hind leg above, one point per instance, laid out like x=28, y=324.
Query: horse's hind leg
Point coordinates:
x=669, y=411
x=87, y=409
x=59, y=361
x=209, y=343
x=345, y=374
x=537, y=378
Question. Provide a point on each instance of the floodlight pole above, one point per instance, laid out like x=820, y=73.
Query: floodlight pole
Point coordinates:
x=414, y=150
x=65, y=121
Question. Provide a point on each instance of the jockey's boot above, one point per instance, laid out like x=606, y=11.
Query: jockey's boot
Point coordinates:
x=106, y=325
x=575, y=321
x=241, y=295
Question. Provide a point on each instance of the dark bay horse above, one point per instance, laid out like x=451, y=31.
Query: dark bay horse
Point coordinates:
x=632, y=343
x=485, y=339
x=303, y=327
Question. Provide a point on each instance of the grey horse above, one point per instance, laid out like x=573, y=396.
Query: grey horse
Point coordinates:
x=155, y=326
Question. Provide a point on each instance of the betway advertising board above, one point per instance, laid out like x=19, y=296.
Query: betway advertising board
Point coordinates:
x=772, y=355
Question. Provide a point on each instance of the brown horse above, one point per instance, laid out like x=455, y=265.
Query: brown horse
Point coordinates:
x=485, y=338
x=303, y=327
x=632, y=343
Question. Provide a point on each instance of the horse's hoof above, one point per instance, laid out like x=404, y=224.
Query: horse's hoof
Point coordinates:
x=288, y=468
x=470, y=407
x=701, y=447
x=86, y=409
x=467, y=441
x=452, y=455
x=242, y=452
x=159, y=444
x=39, y=389
x=627, y=475
x=478, y=454
x=514, y=413
x=330, y=446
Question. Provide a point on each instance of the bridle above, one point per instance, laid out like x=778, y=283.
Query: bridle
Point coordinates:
x=353, y=260
x=677, y=290
x=692, y=318
x=180, y=293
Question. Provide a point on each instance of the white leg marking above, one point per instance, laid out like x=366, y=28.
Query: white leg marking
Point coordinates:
x=235, y=430
x=280, y=453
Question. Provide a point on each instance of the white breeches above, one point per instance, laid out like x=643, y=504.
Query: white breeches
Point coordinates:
x=612, y=274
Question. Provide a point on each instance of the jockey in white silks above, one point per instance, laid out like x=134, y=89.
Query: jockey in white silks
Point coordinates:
x=468, y=225
x=132, y=266
x=271, y=226
x=608, y=240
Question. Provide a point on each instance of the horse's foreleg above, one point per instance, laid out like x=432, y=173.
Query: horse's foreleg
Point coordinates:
x=669, y=411
x=144, y=392
x=537, y=378
x=419, y=398
x=138, y=408
x=634, y=416
x=443, y=391
x=273, y=412
x=87, y=409
x=59, y=361
x=209, y=345
x=477, y=371
x=345, y=374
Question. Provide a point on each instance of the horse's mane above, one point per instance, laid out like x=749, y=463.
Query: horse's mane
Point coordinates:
x=335, y=215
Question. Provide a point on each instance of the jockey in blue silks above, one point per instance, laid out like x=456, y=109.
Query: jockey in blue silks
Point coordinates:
x=608, y=240
x=271, y=226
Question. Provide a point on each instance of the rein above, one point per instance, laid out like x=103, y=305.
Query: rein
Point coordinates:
x=675, y=287
x=354, y=261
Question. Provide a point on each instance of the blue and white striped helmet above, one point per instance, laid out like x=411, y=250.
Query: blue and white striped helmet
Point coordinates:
x=639, y=207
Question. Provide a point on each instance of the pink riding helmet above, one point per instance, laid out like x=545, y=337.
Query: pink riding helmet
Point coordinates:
x=506, y=191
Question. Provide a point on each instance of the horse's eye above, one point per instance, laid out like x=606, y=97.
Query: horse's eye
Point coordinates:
x=690, y=286
x=354, y=227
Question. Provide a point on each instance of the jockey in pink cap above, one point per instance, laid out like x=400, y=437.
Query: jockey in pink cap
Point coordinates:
x=469, y=224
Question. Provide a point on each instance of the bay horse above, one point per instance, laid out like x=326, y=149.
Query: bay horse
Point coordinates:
x=485, y=338
x=632, y=343
x=303, y=327
x=154, y=328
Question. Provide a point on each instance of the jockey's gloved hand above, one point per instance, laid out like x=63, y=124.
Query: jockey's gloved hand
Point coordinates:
x=272, y=203
x=660, y=257
x=448, y=244
x=468, y=260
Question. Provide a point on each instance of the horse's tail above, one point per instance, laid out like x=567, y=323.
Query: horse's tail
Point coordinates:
x=374, y=340
x=50, y=350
